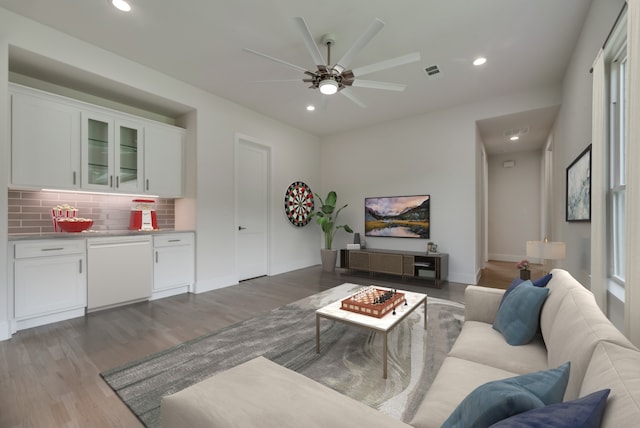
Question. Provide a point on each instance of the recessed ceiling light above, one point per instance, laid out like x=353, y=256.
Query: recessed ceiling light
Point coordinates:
x=514, y=138
x=121, y=5
x=311, y=107
x=479, y=61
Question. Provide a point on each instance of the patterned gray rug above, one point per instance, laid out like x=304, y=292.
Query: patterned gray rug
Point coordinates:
x=350, y=360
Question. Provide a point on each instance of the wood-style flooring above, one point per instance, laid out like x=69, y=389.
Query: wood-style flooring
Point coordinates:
x=49, y=375
x=500, y=274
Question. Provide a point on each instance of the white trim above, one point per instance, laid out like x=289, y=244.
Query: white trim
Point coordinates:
x=632, y=276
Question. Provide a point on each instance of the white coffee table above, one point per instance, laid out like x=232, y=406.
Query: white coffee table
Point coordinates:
x=383, y=325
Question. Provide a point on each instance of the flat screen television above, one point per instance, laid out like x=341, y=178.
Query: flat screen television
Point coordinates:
x=397, y=216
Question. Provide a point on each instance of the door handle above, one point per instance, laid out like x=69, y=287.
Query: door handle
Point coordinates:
x=241, y=228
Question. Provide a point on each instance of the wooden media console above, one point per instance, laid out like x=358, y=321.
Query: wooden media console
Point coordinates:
x=408, y=264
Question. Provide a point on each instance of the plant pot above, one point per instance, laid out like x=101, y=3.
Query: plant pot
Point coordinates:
x=329, y=258
x=525, y=274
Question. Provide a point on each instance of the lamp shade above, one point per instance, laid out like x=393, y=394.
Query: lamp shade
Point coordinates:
x=546, y=250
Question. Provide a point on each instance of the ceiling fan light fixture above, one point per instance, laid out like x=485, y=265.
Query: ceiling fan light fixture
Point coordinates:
x=328, y=86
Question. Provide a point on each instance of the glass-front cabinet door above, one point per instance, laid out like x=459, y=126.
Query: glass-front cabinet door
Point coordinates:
x=97, y=153
x=128, y=159
x=112, y=153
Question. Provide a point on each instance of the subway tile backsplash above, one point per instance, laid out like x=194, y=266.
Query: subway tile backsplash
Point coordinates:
x=30, y=211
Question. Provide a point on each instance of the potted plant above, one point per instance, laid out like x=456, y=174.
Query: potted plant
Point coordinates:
x=327, y=217
x=525, y=273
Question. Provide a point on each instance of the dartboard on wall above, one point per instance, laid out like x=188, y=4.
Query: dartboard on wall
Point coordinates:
x=298, y=203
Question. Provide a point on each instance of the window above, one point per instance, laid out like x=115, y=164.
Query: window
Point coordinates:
x=617, y=154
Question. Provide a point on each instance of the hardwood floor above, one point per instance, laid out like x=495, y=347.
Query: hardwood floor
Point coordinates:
x=49, y=375
x=500, y=274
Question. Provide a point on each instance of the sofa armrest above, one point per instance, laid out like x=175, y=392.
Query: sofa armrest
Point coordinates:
x=482, y=303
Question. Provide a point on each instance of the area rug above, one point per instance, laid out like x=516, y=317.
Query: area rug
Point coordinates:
x=350, y=358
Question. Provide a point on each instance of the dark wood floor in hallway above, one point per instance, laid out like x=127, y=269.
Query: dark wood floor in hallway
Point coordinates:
x=49, y=375
x=498, y=274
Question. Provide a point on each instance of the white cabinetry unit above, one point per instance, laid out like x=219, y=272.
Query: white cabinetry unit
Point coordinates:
x=45, y=136
x=174, y=265
x=163, y=161
x=49, y=281
x=112, y=157
x=62, y=143
x=119, y=270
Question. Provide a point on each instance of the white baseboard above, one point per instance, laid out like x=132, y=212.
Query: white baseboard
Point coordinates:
x=5, y=330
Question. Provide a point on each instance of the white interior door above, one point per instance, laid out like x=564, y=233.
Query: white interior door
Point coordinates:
x=252, y=196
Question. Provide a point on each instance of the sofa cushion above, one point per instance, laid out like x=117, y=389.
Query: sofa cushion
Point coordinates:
x=497, y=400
x=479, y=342
x=538, y=282
x=481, y=303
x=616, y=367
x=578, y=327
x=262, y=393
x=583, y=412
x=454, y=381
x=561, y=284
x=519, y=315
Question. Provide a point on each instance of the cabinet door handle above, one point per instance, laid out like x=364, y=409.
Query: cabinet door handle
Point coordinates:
x=117, y=181
x=147, y=184
x=74, y=178
x=80, y=265
x=174, y=240
x=53, y=249
x=111, y=181
x=156, y=257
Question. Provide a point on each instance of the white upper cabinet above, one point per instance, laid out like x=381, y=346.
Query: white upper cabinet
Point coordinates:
x=45, y=136
x=163, y=154
x=61, y=143
x=112, y=155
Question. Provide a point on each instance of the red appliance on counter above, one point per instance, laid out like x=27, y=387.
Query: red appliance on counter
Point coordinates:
x=143, y=215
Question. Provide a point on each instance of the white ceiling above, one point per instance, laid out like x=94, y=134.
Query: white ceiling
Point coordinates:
x=528, y=45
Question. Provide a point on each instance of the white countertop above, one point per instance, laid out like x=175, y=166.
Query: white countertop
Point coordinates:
x=92, y=234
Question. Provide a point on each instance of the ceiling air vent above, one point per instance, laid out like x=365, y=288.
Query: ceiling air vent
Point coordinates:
x=432, y=71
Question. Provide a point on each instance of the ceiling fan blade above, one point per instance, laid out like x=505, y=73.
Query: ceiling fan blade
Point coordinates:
x=295, y=67
x=347, y=93
x=276, y=80
x=312, y=47
x=379, y=85
x=362, y=41
x=390, y=63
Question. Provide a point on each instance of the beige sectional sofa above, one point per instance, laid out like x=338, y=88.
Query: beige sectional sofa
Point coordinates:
x=572, y=328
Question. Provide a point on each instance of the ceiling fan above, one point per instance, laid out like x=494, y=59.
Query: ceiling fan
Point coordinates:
x=330, y=79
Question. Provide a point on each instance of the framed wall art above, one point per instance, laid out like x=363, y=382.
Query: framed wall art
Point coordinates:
x=579, y=188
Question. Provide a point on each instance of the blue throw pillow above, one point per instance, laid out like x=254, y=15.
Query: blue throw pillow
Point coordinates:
x=498, y=400
x=585, y=412
x=540, y=282
x=518, y=317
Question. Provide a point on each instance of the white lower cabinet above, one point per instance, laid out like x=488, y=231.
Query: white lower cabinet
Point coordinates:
x=173, y=264
x=49, y=281
x=58, y=279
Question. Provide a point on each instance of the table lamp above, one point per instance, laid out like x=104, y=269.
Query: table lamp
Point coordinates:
x=546, y=250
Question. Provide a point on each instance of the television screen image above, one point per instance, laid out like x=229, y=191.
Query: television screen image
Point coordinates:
x=397, y=216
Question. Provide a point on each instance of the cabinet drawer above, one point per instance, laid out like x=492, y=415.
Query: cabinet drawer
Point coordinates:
x=48, y=248
x=171, y=239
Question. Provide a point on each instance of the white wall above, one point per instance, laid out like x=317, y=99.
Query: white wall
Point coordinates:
x=514, y=204
x=434, y=153
x=572, y=133
x=209, y=206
